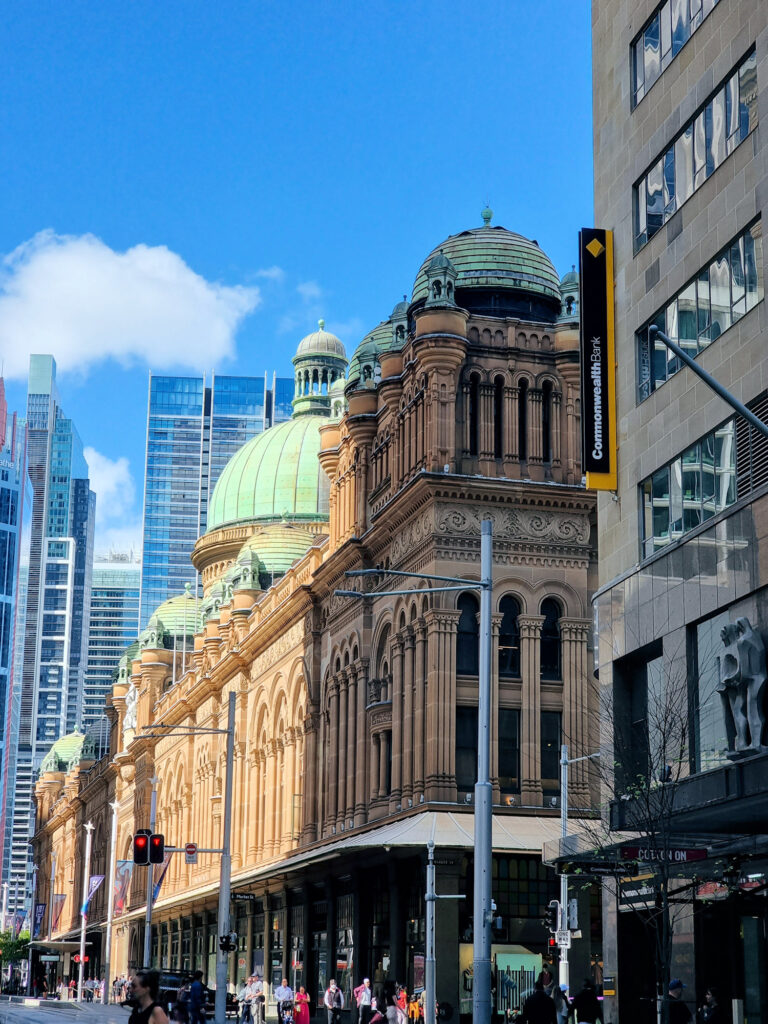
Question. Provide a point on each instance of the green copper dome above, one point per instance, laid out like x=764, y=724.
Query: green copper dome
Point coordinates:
x=373, y=344
x=276, y=475
x=177, y=614
x=64, y=754
x=493, y=258
x=321, y=342
x=278, y=546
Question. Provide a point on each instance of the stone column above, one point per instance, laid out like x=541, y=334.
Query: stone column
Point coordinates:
x=530, y=723
x=397, y=723
x=557, y=399
x=408, y=682
x=385, y=752
x=574, y=635
x=486, y=425
x=535, y=433
x=440, y=704
x=341, y=803
x=420, y=683
x=289, y=785
x=363, y=758
x=349, y=808
x=333, y=750
x=270, y=843
x=495, y=627
x=309, y=794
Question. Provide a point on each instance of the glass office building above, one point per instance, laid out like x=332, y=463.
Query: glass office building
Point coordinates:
x=194, y=427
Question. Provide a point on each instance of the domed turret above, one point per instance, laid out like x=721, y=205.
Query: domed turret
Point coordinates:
x=498, y=273
x=569, y=289
x=320, y=360
x=175, y=618
x=65, y=753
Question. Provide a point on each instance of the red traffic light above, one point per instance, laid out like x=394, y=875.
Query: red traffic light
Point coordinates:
x=141, y=848
x=156, y=848
x=76, y=958
x=552, y=941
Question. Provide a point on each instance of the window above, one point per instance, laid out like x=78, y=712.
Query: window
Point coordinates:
x=546, y=422
x=466, y=748
x=509, y=638
x=498, y=418
x=509, y=750
x=710, y=734
x=716, y=298
x=699, y=149
x=522, y=421
x=550, y=640
x=691, y=489
x=550, y=752
x=474, y=433
x=468, y=636
x=662, y=38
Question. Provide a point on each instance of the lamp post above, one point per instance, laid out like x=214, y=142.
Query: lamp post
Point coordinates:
x=111, y=903
x=483, y=799
x=32, y=916
x=150, y=876
x=83, y=910
x=51, y=894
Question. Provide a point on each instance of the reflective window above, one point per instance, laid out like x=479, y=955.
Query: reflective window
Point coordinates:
x=466, y=748
x=690, y=490
x=710, y=735
x=723, y=292
x=702, y=145
x=509, y=750
x=468, y=635
x=662, y=38
x=550, y=639
x=551, y=728
x=509, y=638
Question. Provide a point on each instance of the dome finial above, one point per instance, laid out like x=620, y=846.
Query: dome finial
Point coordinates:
x=487, y=215
x=321, y=324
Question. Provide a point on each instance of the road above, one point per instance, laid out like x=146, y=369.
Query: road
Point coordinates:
x=51, y=1012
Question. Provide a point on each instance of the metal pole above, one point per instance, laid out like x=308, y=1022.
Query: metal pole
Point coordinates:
x=51, y=894
x=83, y=909
x=110, y=904
x=5, y=904
x=222, y=957
x=150, y=877
x=563, y=974
x=31, y=930
x=717, y=387
x=429, y=964
x=481, y=987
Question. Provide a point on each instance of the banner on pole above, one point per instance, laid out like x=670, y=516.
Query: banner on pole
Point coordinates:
x=18, y=923
x=123, y=876
x=39, y=915
x=59, y=899
x=159, y=875
x=93, y=885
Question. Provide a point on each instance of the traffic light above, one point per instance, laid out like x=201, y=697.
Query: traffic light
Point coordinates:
x=156, y=848
x=228, y=943
x=552, y=916
x=141, y=847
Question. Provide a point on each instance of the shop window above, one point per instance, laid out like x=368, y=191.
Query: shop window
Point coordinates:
x=550, y=640
x=466, y=749
x=509, y=638
x=467, y=636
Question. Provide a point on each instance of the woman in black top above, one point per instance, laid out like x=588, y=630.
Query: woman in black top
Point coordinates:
x=146, y=1009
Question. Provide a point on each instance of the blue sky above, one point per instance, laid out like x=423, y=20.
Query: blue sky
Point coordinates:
x=188, y=185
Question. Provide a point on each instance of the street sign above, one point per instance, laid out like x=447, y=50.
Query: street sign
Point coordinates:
x=50, y=958
x=190, y=853
x=564, y=939
x=675, y=854
x=598, y=867
x=243, y=897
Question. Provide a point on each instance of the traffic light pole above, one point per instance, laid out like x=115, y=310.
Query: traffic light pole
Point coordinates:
x=150, y=877
x=83, y=909
x=222, y=955
x=110, y=905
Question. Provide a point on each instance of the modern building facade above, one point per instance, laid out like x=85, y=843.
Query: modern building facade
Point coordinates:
x=58, y=592
x=357, y=720
x=194, y=427
x=681, y=179
x=113, y=626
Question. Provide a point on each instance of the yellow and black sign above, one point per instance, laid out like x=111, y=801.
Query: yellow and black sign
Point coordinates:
x=598, y=358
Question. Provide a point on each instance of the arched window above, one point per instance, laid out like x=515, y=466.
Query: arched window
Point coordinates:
x=546, y=421
x=498, y=418
x=468, y=636
x=509, y=638
x=522, y=421
x=474, y=403
x=550, y=639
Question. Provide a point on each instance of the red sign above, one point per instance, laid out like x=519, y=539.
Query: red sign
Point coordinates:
x=675, y=854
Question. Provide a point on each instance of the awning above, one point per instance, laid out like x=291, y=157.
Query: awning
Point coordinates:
x=57, y=945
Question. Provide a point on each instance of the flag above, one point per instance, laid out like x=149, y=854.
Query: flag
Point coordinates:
x=159, y=875
x=123, y=876
x=59, y=899
x=39, y=915
x=18, y=922
x=95, y=882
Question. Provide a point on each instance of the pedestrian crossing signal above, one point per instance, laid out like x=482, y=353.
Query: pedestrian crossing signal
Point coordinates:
x=141, y=848
x=156, y=849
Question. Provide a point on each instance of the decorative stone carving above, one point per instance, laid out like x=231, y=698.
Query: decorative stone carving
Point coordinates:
x=742, y=674
x=131, y=703
x=278, y=649
x=411, y=535
x=540, y=526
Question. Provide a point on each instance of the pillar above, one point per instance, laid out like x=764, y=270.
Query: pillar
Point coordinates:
x=420, y=693
x=397, y=723
x=333, y=750
x=535, y=433
x=408, y=682
x=557, y=400
x=363, y=758
x=574, y=634
x=341, y=804
x=349, y=808
x=440, y=740
x=375, y=769
x=495, y=627
x=530, y=723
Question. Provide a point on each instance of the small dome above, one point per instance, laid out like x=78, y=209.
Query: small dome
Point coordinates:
x=440, y=262
x=278, y=546
x=276, y=475
x=178, y=614
x=65, y=753
x=96, y=742
x=320, y=342
x=570, y=280
x=366, y=354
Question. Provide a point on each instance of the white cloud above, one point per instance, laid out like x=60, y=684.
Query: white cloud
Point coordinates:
x=118, y=525
x=271, y=274
x=310, y=291
x=83, y=302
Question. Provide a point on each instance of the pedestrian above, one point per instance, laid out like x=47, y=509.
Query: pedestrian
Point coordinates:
x=197, y=999
x=145, y=990
x=539, y=1008
x=333, y=1000
x=258, y=1001
x=364, y=998
x=562, y=1006
x=711, y=1012
x=284, y=998
x=547, y=978
x=245, y=999
x=301, y=1015
x=678, y=1011
x=586, y=1004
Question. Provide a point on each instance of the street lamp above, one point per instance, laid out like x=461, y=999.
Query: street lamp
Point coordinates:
x=84, y=909
x=111, y=904
x=483, y=798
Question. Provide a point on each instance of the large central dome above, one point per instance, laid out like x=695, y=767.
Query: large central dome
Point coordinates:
x=494, y=267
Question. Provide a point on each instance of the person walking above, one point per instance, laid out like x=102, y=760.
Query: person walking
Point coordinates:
x=333, y=1000
x=586, y=1004
x=562, y=1006
x=197, y=999
x=364, y=997
x=146, y=1009
x=284, y=998
x=711, y=1012
x=678, y=1011
x=301, y=1016
x=245, y=999
x=539, y=1008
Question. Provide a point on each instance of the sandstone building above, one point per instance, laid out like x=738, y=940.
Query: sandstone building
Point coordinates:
x=356, y=719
